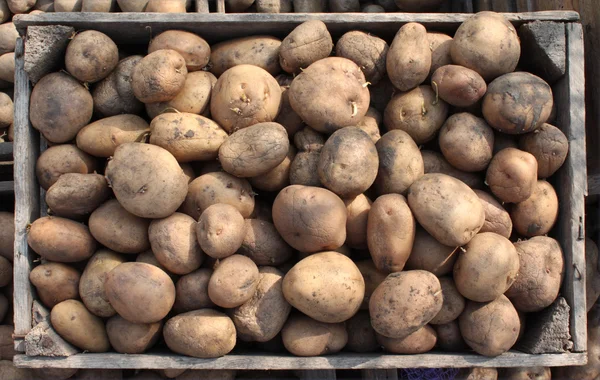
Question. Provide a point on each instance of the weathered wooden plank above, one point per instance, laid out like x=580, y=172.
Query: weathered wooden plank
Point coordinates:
x=202, y=6
x=220, y=6
x=379, y=374
x=319, y=374
x=594, y=184
x=6, y=151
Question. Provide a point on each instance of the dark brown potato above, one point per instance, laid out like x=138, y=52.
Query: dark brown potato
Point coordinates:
x=7, y=235
x=60, y=159
x=220, y=230
x=263, y=244
x=261, y=51
x=467, y=142
x=367, y=51
x=497, y=219
x=91, y=56
x=54, y=282
x=512, y=175
x=439, y=44
x=372, y=278
x=61, y=240
x=409, y=57
x=159, y=76
x=537, y=215
x=458, y=85
x=306, y=44
x=454, y=303
x=76, y=195
x=357, y=210
x=132, y=338
x=303, y=336
x=191, y=291
x=361, y=336
x=114, y=94
x=418, y=342
x=194, y=49
x=431, y=255
x=549, y=146
x=435, y=162
x=449, y=338
x=400, y=163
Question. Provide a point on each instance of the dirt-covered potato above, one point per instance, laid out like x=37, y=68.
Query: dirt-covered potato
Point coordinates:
x=417, y=112
x=517, y=103
x=362, y=338
x=194, y=49
x=54, y=282
x=203, y=333
x=245, y=95
x=367, y=51
x=512, y=175
x=132, y=338
x=59, y=107
x=7, y=235
x=453, y=305
x=526, y=373
x=467, y=142
x=458, y=85
x=357, y=211
x=278, y=177
x=140, y=292
x=370, y=124
x=6, y=110
x=447, y=208
x=303, y=170
x=487, y=43
x=372, y=278
x=434, y=162
x=404, y=302
x=309, y=140
x=536, y=215
x=431, y=255
x=73, y=322
x=400, y=162
x=76, y=195
x=439, y=44
x=102, y=137
x=497, y=219
x=159, y=76
x=549, y=146
x=306, y=44
x=326, y=286
x=304, y=336
x=220, y=230
x=409, y=57
x=233, y=281
x=449, y=338
x=114, y=94
x=323, y=214
x=91, y=284
x=62, y=240
x=98, y=5
x=119, y=230
x=490, y=328
x=147, y=180
x=7, y=67
x=91, y=56
x=263, y=244
x=191, y=291
x=330, y=94
x=68, y=5
x=8, y=37
x=418, y=342
x=261, y=51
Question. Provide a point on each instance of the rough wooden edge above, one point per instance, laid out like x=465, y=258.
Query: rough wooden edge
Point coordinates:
x=594, y=184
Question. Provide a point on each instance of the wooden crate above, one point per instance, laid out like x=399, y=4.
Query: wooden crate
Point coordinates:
x=139, y=28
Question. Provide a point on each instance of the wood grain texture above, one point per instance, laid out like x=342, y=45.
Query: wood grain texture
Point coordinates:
x=202, y=6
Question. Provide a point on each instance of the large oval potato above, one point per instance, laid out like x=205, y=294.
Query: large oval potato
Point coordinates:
x=220, y=230
x=458, y=85
x=512, y=175
x=497, y=219
x=367, y=51
x=305, y=45
x=54, y=282
x=549, y=146
x=60, y=159
x=91, y=56
x=76, y=195
x=132, y=338
x=73, y=322
x=263, y=244
x=261, y=51
x=304, y=336
x=192, y=291
x=357, y=210
x=159, y=76
x=91, y=286
x=431, y=255
x=193, y=48
x=7, y=235
x=102, y=137
x=114, y=94
x=233, y=281
x=400, y=162
x=409, y=58
x=467, y=142
x=418, y=342
x=8, y=37
x=536, y=215
x=60, y=239
x=362, y=338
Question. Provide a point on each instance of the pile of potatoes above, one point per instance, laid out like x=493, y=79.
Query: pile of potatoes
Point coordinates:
x=298, y=195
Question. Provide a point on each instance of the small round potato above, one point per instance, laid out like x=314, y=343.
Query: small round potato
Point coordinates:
x=370, y=124
x=261, y=51
x=409, y=57
x=277, y=178
x=454, y=303
x=467, y=142
x=114, y=94
x=132, y=338
x=497, y=219
x=549, y=146
x=372, y=278
x=439, y=44
x=62, y=240
x=102, y=137
x=512, y=175
x=326, y=286
x=91, y=56
x=490, y=328
x=303, y=336
x=60, y=159
x=526, y=373
x=305, y=45
x=76, y=195
x=192, y=291
x=458, y=85
x=159, y=76
x=367, y=51
x=91, y=286
x=536, y=215
x=400, y=163
x=194, y=49
x=73, y=322
x=357, y=210
x=233, y=281
x=54, y=282
x=434, y=162
x=220, y=230
x=431, y=255
x=418, y=342
x=263, y=244
x=362, y=338
x=6, y=110
x=449, y=338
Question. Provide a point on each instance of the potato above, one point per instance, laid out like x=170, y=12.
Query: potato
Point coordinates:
x=5, y=13
x=60, y=239
x=537, y=215
x=372, y=278
x=453, y=305
x=323, y=215
x=367, y=51
x=305, y=45
x=73, y=322
x=404, y=302
x=160, y=6
x=497, y=219
x=373, y=8
x=218, y=187
x=303, y=336
x=67, y=5
x=348, y=162
x=362, y=338
x=91, y=56
x=287, y=116
x=44, y=6
x=326, y=286
x=439, y=44
x=220, y=230
x=188, y=137
x=54, y=282
x=381, y=93
x=140, y=292
x=261, y=51
x=59, y=107
x=490, y=328
x=117, y=229
x=98, y=6
x=102, y=137
x=309, y=140
x=477, y=373
x=592, y=273
x=192, y=291
x=7, y=235
x=467, y=142
x=370, y=124
x=430, y=255
x=132, y=338
x=91, y=285
x=517, y=103
x=304, y=169
x=159, y=76
x=409, y=58
x=8, y=37
x=243, y=96
x=263, y=244
x=76, y=195
x=6, y=110
x=449, y=338
x=435, y=162
x=147, y=180
x=7, y=67
x=21, y=6
x=400, y=163
x=233, y=281
x=203, y=333
x=357, y=210
x=60, y=159
x=149, y=258
x=278, y=177
x=132, y=5
x=487, y=43
x=418, y=342
x=274, y=6
x=549, y=146
x=114, y=94
x=254, y=150
x=330, y=94
x=512, y=175
x=417, y=112
x=193, y=48
x=526, y=373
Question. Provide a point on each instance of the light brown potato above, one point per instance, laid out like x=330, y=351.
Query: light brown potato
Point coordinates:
x=361, y=337
x=417, y=112
x=161, y=6
x=323, y=214
x=67, y=5
x=140, y=292
x=367, y=51
x=5, y=13
x=517, y=103
x=54, y=282
x=6, y=110
x=370, y=124
x=263, y=245
x=537, y=215
x=549, y=146
x=60, y=159
x=326, y=286
x=91, y=56
x=400, y=163
x=76, y=195
x=304, y=336
x=305, y=45
x=404, y=302
x=458, y=85
x=303, y=170
x=526, y=373
x=478, y=373
x=357, y=210
x=59, y=107
x=102, y=137
x=431, y=255
x=132, y=5
x=274, y=6
x=512, y=175
x=7, y=67
x=439, y=44
x=372, y=278
x=98, y=5
x=8, y=37
x=193, y=48
x=278, y=177
x=435, y=162
x=132, y=338
x=261, y=51
x=497, y=322
x=497, y=219
x=220, y=230
x=409, y=58
x=487, y=43
x=22, y=6
x=330, y=94
x=453, y=305
x=467, y=142
x=159, y=76
x=114, y=94
x=203, y=333
x=233, y=281
x=7, y=235
x=592, y=273
x=73, y=322
x=287, y=116
x=418, y=342
x=192, y=291
x=119, y=230
x=449, y=338
x=62, y=240
x=91, y=285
